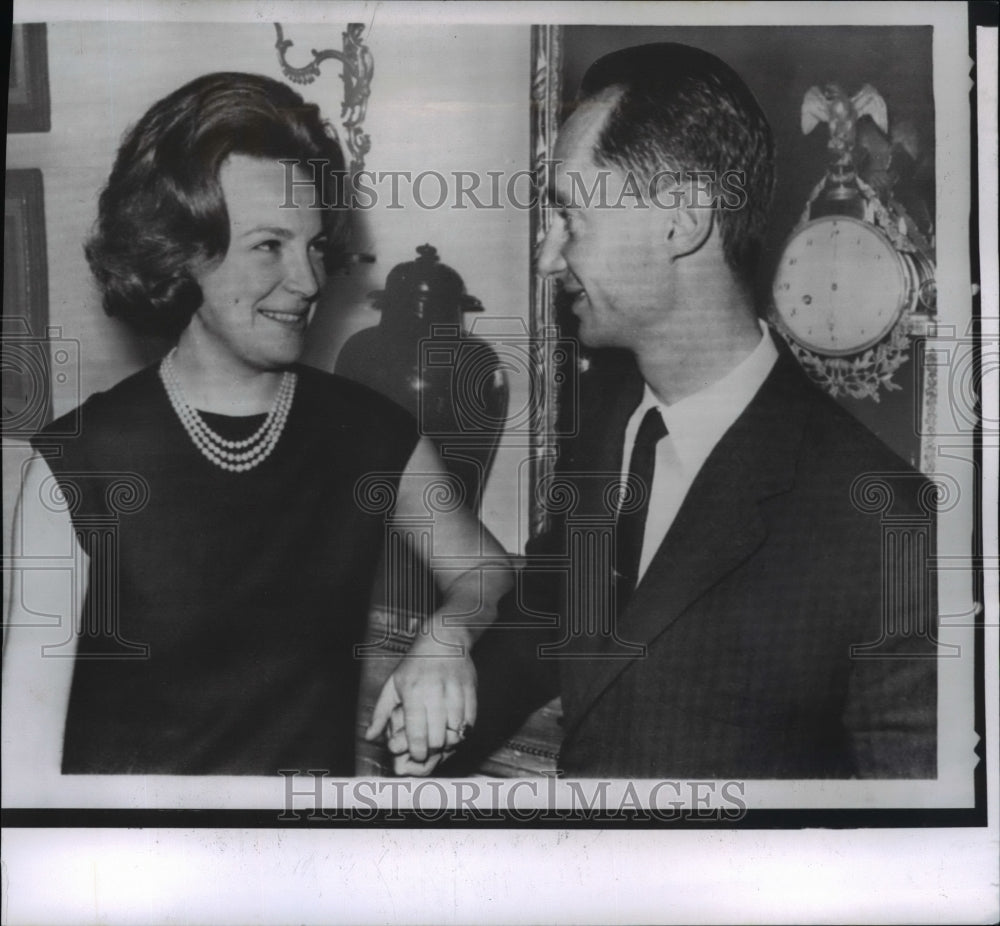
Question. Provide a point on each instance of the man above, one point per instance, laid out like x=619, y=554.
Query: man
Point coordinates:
x=721, y=643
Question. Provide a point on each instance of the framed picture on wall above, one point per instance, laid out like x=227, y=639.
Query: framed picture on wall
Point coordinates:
x=28, y=85
x=26, y=383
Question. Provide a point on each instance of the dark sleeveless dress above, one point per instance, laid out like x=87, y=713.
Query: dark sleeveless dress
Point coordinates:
x=223, y=608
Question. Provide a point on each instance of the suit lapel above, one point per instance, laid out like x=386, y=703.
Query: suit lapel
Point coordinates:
x=719, y=524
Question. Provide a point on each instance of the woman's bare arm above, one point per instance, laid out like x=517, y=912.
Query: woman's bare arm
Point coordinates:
x=434, y=684
x=46, y=584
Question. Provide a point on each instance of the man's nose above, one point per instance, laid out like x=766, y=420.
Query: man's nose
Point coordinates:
x=550, y=252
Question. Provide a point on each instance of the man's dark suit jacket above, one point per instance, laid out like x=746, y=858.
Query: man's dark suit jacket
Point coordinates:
x=802, y=536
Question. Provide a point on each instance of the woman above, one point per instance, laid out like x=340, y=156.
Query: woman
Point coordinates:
x=223, y=608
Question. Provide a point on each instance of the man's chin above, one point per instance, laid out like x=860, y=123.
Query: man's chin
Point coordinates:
x=592, y=337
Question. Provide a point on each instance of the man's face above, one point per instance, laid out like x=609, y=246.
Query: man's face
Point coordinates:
x=258, y=298
x=607, y=253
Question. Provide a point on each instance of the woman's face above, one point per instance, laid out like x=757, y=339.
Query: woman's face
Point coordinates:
x=258, y=299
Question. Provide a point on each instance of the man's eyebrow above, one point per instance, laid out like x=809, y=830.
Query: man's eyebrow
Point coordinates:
x=554, y=198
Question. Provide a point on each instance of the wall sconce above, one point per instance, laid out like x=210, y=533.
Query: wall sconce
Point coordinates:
x=356, y=74
x=358, y=69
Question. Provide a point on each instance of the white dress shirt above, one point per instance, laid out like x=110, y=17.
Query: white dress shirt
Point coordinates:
x=695, y=425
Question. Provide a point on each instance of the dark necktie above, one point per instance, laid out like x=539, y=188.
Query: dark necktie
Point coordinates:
x=631, y=522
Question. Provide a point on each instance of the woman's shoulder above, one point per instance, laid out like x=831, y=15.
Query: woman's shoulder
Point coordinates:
x=103, y=414
x=350, y=400
x=106, y=406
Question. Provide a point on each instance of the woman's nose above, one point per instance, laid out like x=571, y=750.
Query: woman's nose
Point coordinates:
x=303, y=278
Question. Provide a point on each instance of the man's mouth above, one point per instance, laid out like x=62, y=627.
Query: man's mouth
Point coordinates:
x=574, y=291
x=577, y=297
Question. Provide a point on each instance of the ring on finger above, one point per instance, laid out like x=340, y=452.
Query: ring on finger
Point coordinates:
x=462, y=731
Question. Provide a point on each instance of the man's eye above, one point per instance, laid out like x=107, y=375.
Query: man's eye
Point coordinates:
x=319, y=244
x=569, y=220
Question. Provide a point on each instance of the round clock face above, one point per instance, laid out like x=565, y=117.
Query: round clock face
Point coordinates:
x=840, y=286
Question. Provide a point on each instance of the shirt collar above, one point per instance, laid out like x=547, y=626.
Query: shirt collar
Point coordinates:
x=697, y=422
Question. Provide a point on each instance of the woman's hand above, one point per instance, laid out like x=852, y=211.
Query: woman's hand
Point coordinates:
x=428, y=703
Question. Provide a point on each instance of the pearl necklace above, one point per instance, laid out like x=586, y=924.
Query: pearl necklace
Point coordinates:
x=235, y=456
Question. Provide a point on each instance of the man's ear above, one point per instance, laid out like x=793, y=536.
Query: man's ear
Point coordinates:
x=691, y=218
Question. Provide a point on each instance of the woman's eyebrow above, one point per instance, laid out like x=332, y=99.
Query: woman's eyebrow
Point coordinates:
x=275, y=230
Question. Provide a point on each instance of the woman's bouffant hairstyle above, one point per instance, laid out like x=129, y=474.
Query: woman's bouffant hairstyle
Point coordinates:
x=163, y=210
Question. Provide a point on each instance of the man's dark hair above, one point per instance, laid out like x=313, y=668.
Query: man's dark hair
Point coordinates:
x=682, y=109
x=163, y=210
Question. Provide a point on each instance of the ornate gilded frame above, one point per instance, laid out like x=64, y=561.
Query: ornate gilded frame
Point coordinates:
x=546, y=101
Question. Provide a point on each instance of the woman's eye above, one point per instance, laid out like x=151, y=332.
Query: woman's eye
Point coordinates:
x=271, y=246
x=318, y=244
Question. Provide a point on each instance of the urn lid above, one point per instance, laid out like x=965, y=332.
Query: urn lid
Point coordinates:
x=425, y=289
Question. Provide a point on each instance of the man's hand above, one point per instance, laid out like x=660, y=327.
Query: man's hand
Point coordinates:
x=403, y=764
x=427, y=704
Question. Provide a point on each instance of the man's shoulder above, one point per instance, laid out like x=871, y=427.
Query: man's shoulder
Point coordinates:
x=840, y=458
x=827, y=425
x=832, y=430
